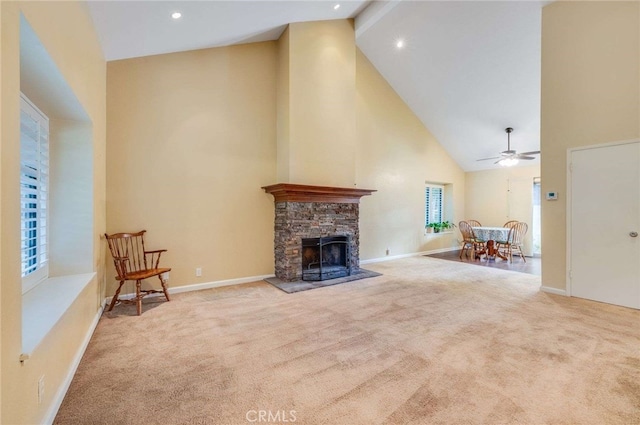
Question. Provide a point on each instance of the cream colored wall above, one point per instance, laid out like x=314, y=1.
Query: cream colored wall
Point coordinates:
x=590, y=95
x=10, y=282
x=396, y=155
x=283, y=132
x=494, y=197
x=70, y=184
x=3, y=204
x=66, y=30
x=51, y=359
x=191, y=141
x=322, y=121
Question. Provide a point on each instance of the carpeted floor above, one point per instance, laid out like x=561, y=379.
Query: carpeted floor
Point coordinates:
x=429, y=342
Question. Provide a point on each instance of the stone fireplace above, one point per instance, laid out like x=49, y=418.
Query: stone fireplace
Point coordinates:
x=305, y=212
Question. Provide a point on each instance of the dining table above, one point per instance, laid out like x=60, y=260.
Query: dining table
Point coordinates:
x=486, y=234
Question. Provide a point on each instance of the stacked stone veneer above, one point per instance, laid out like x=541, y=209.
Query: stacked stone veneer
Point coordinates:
x=298, y=220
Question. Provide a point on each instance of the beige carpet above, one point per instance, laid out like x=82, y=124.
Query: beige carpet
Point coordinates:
x=429, y=342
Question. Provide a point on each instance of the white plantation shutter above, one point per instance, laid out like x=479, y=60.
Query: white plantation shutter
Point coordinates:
x=34, y=193
x=433, y=203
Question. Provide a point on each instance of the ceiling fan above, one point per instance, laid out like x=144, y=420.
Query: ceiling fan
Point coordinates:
x=510, y=157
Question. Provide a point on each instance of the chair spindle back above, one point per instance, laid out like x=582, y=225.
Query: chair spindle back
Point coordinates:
x=466, y=231
x=127, y=250
x=509, y=224
x=518, y=230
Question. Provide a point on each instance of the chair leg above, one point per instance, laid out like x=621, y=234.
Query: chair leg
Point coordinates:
x=138, y=297
x=164, y=288
x=465, y=247
x=114, y=299
x=522, y=254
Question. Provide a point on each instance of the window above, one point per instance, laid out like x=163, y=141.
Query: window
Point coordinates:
x=536, y=228
x=34, y=188
x=433, y=197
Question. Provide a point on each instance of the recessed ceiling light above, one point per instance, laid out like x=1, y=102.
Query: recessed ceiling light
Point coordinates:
x=336, y=7
x=176, y=15
x=400, y=44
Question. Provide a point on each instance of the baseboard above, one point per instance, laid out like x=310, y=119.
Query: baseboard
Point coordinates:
x=554, y=291
x=438, y=251
x=217, y=284
x=413, y=254
x=62, y=391
x=199, y=286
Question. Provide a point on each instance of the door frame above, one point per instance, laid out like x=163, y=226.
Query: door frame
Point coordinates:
x=569, y=209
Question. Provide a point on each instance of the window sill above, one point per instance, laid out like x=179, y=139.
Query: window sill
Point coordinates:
x=45, y=304
x=448, y=232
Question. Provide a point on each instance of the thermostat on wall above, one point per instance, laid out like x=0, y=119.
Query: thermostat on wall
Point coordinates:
x=552, y=196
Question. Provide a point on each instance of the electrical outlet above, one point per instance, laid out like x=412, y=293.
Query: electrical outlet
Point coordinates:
x=40, y=389
x=388, y=251
x=165, y=276
x=198, y=271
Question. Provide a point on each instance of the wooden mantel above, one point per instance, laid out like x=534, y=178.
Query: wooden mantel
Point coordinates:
x=286, y=192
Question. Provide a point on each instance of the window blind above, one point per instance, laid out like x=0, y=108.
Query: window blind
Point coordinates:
x=433, y=204
x=34, y=188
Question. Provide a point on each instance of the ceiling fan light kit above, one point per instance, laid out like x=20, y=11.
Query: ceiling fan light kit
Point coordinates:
x=508, y=162
x=510, y=157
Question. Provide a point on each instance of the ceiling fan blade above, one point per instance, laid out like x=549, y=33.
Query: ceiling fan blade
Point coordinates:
x=510, y=156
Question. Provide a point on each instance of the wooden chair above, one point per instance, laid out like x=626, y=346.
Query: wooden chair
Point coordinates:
x=133, y=262
x=474, y=223
x=514, y=241
x=509, y=224
x=469, y=240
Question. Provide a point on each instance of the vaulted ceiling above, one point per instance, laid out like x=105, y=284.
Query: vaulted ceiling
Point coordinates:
x=468, y=69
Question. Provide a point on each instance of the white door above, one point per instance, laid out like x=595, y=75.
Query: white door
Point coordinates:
x=605, y=216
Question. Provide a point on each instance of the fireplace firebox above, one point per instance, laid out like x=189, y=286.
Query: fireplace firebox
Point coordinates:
x=326, y=258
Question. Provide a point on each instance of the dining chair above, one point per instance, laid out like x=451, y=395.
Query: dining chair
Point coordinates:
x=474, y=223
x=469, y=240
x=509, y=224
x=134, y=263
x=514, y=241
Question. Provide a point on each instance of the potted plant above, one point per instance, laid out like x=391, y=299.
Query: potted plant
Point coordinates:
x=435, y=227
x=447, y=225
x=439, y=227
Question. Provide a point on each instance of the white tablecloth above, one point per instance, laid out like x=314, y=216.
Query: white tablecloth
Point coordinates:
x=491, y=233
